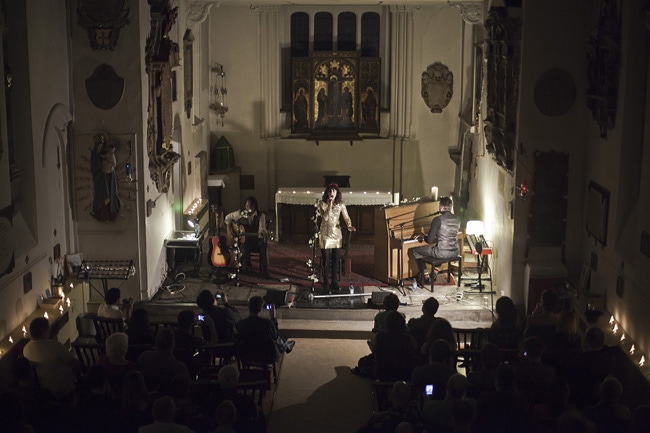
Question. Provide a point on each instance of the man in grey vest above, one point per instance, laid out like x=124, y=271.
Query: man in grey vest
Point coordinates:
x=444, y=230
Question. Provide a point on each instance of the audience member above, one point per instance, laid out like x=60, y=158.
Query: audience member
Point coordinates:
x=163, y=411
x=418, y=326
x=38, y=405
x=506, y=329
x=437, y=372
x=257, y=336
x=395, y=350
x=546, y=414
x=590, y=368
x=543, y=321
x=158, y=365
x=462, y=416
x=403, y=409
x=186, y=344
x=436, y=415
x=139, y=329
x=226, y=417
x=504, y=410
x=115, y=362
x=533, y=376
x=574, y=422
x=135, y=408
x=111, y=307
x=225, y=317
x=565, y=345
x=609, y=414
x=391, y=303
x=441, y=329
x=97, y=409
x=250, y=418
x=55, y=366
x=483, y=379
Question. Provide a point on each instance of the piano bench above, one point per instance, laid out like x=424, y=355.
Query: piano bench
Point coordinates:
x=435, y=261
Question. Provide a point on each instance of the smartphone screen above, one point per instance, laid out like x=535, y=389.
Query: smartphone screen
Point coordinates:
x=217, y=295
x=200, y=317
x=268, y=306
x=428, y=389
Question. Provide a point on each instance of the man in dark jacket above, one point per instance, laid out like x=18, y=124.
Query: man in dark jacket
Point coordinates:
x=258, y=336
x=225, y=318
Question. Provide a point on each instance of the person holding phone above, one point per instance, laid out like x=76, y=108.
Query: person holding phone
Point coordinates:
x=224, y=315
x=330, y=209
x=258, y=338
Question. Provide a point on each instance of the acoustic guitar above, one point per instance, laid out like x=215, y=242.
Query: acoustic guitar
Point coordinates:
x=219, y=256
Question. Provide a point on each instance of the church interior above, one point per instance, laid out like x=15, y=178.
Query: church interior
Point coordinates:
x=129, y=128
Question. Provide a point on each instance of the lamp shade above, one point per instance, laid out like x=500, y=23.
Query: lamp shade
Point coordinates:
x=474, y=227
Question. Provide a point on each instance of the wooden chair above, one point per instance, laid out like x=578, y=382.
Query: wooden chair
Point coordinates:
x=88, y=353
x=216, y=353
x=469, y=343
x=105, y=327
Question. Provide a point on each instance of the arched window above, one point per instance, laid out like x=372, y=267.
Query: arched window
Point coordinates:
x=370, y=34
x=347, y=32
x=299, y=34
x=323, y=31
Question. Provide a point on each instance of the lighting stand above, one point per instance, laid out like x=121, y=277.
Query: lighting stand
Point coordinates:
x=400, y=286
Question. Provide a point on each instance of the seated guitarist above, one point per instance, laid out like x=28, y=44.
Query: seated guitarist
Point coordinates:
x=251, y=225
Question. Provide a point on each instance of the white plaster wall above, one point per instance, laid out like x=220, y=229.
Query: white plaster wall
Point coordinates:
x=47, y=44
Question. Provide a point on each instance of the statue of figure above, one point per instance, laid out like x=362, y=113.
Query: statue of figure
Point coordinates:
x=369, y=110
x=322, y=100
x=300, y=106
x=106, y=201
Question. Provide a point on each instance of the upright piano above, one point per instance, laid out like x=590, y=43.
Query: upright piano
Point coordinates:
x=394, y=229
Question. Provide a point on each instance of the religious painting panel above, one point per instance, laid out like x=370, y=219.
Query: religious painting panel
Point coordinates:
x=301, y=90
x=335, y=90
x=369, y=96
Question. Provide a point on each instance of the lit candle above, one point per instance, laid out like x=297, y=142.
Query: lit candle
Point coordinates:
x=11, y=340
x=24, y=331
x=615, y=330
x=60, y=309
x=622, y=338
x=611, y=320
x=67, y=301
x=642, y=362
x=434, y=193
x=46, y=316
x=632, y=350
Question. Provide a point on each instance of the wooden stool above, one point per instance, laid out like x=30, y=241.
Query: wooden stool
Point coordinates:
x=435, y=261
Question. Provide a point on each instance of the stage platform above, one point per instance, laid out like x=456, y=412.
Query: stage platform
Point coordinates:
x=302, y=312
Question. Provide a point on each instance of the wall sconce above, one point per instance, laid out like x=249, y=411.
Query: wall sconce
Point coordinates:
x=218, y=92
x=522, y=190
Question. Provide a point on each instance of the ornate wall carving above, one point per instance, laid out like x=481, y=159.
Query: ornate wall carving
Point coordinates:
x=437, y=87
x=161, y=53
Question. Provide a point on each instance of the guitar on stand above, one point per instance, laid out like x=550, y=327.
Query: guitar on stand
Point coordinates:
x=219, y=255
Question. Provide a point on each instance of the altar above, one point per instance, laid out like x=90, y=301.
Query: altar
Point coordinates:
x=299, y=203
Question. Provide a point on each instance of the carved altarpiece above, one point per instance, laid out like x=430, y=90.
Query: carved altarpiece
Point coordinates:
x=161, y=55
x=335, y=95
x=501, y=77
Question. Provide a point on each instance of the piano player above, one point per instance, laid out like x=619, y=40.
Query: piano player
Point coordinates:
x=444, y=230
